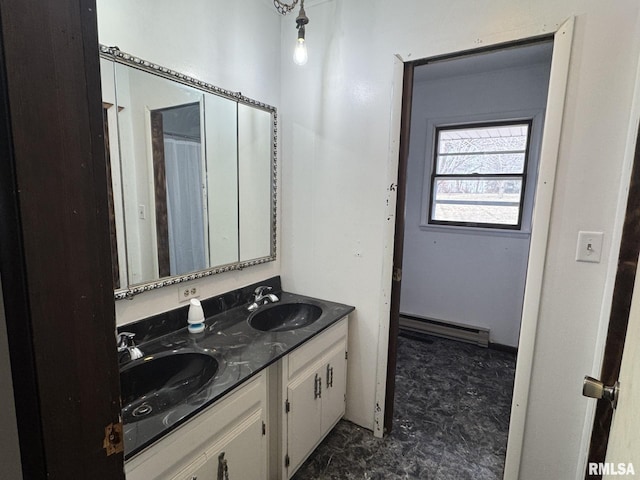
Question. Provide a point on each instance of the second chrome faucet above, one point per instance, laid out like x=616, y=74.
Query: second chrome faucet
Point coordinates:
x=260, y=298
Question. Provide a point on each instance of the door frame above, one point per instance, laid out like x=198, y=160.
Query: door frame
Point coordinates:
x=623, y=273
x=55, y=253
x=562, y=38
x=619, y=316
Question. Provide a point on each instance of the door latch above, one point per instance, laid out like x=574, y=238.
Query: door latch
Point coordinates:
x=594, y=388
x=113, y=439
x=397, y=274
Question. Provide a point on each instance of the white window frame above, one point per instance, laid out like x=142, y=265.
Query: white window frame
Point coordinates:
x=536, y=117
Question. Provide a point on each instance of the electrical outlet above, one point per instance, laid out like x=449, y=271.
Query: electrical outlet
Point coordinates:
x=187, y=293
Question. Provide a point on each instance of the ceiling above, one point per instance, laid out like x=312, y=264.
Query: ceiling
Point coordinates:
x=509, y=57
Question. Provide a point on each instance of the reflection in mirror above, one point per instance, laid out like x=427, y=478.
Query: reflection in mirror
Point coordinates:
x=195, y=166
x=160, y=171
x=255, y=181
x=176, y=144
x=222, y=179
x=113, y=240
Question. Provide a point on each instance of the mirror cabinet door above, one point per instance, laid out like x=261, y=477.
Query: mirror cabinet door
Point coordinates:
x=222, y=179
x=161, y=158
x=254, y=165
x=192, y=176
x=112, y=148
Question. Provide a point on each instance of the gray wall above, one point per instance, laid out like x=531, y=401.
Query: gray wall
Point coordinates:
x=457, y=274
x=9, y=447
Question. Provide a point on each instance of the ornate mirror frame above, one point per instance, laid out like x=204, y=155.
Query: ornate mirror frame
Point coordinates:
x=117, y=56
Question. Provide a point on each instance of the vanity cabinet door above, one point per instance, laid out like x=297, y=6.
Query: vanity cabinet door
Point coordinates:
x=315, y=378
x=233, y=425
x=239, y=454
x=334, y=387
x=242, y=453
x=303, y=418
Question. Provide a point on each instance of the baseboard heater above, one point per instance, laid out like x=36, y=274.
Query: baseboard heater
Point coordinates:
x=450, y=330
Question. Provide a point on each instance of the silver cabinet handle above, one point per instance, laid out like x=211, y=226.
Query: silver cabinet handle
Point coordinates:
x=317, y=387
x=329, y=375
x=223, y=468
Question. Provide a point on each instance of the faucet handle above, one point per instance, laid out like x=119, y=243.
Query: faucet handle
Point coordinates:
x=125, y=340
x=261, y=289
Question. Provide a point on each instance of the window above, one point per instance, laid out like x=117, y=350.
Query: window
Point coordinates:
x=478, y=176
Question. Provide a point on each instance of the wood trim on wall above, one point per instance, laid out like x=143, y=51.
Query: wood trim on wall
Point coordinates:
x=115, y=268
x=160, y=192
x=398, y=246
x=61, y=320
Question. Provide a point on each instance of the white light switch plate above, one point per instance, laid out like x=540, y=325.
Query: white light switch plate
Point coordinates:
x=589, y=247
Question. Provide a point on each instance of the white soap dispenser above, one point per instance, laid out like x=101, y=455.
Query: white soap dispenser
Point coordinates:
x=195, y=318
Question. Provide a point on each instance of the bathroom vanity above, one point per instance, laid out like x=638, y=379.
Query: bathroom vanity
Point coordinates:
x=253, y=394
x=234, y=401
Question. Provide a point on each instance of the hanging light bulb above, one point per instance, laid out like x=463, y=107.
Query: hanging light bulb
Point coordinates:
x=300, y=54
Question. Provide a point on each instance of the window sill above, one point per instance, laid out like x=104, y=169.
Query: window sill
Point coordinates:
x=493, y=232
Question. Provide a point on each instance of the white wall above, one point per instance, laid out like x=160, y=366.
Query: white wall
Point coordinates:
x=336, y=117
x=9, y=445
x=234, y=45
x=457, y=274
x=336, y=120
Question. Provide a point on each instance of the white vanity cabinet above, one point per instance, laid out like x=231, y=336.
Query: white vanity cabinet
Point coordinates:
x=314, y=379
x=231, y=436
x=238, y=455
x=266, y=427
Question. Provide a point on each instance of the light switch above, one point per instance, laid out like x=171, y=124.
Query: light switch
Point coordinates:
x=589, y=247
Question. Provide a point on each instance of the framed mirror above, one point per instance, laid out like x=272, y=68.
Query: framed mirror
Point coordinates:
x=193, y=175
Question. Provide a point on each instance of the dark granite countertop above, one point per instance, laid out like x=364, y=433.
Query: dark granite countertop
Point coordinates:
x=241, y=352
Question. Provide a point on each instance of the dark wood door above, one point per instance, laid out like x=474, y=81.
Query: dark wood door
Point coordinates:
x=55, y=256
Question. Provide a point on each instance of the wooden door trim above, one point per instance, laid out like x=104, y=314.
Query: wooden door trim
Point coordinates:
x=115, y=268
x=16, y=305
x=60, y=313
x=562, y=39
x=398, y=246
x=160, y=193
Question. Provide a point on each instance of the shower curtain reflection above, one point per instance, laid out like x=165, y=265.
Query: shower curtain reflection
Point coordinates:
x=185, y=205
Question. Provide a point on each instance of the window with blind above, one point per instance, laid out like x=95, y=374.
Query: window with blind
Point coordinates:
x=479, y=174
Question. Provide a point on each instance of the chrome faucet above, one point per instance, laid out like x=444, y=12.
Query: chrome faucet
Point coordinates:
x=126, y=344
x=259, y=298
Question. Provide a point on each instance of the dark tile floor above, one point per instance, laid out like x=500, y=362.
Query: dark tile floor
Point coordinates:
x=450, y=423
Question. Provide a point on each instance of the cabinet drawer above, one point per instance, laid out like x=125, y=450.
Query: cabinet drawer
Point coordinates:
x=309, y=353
